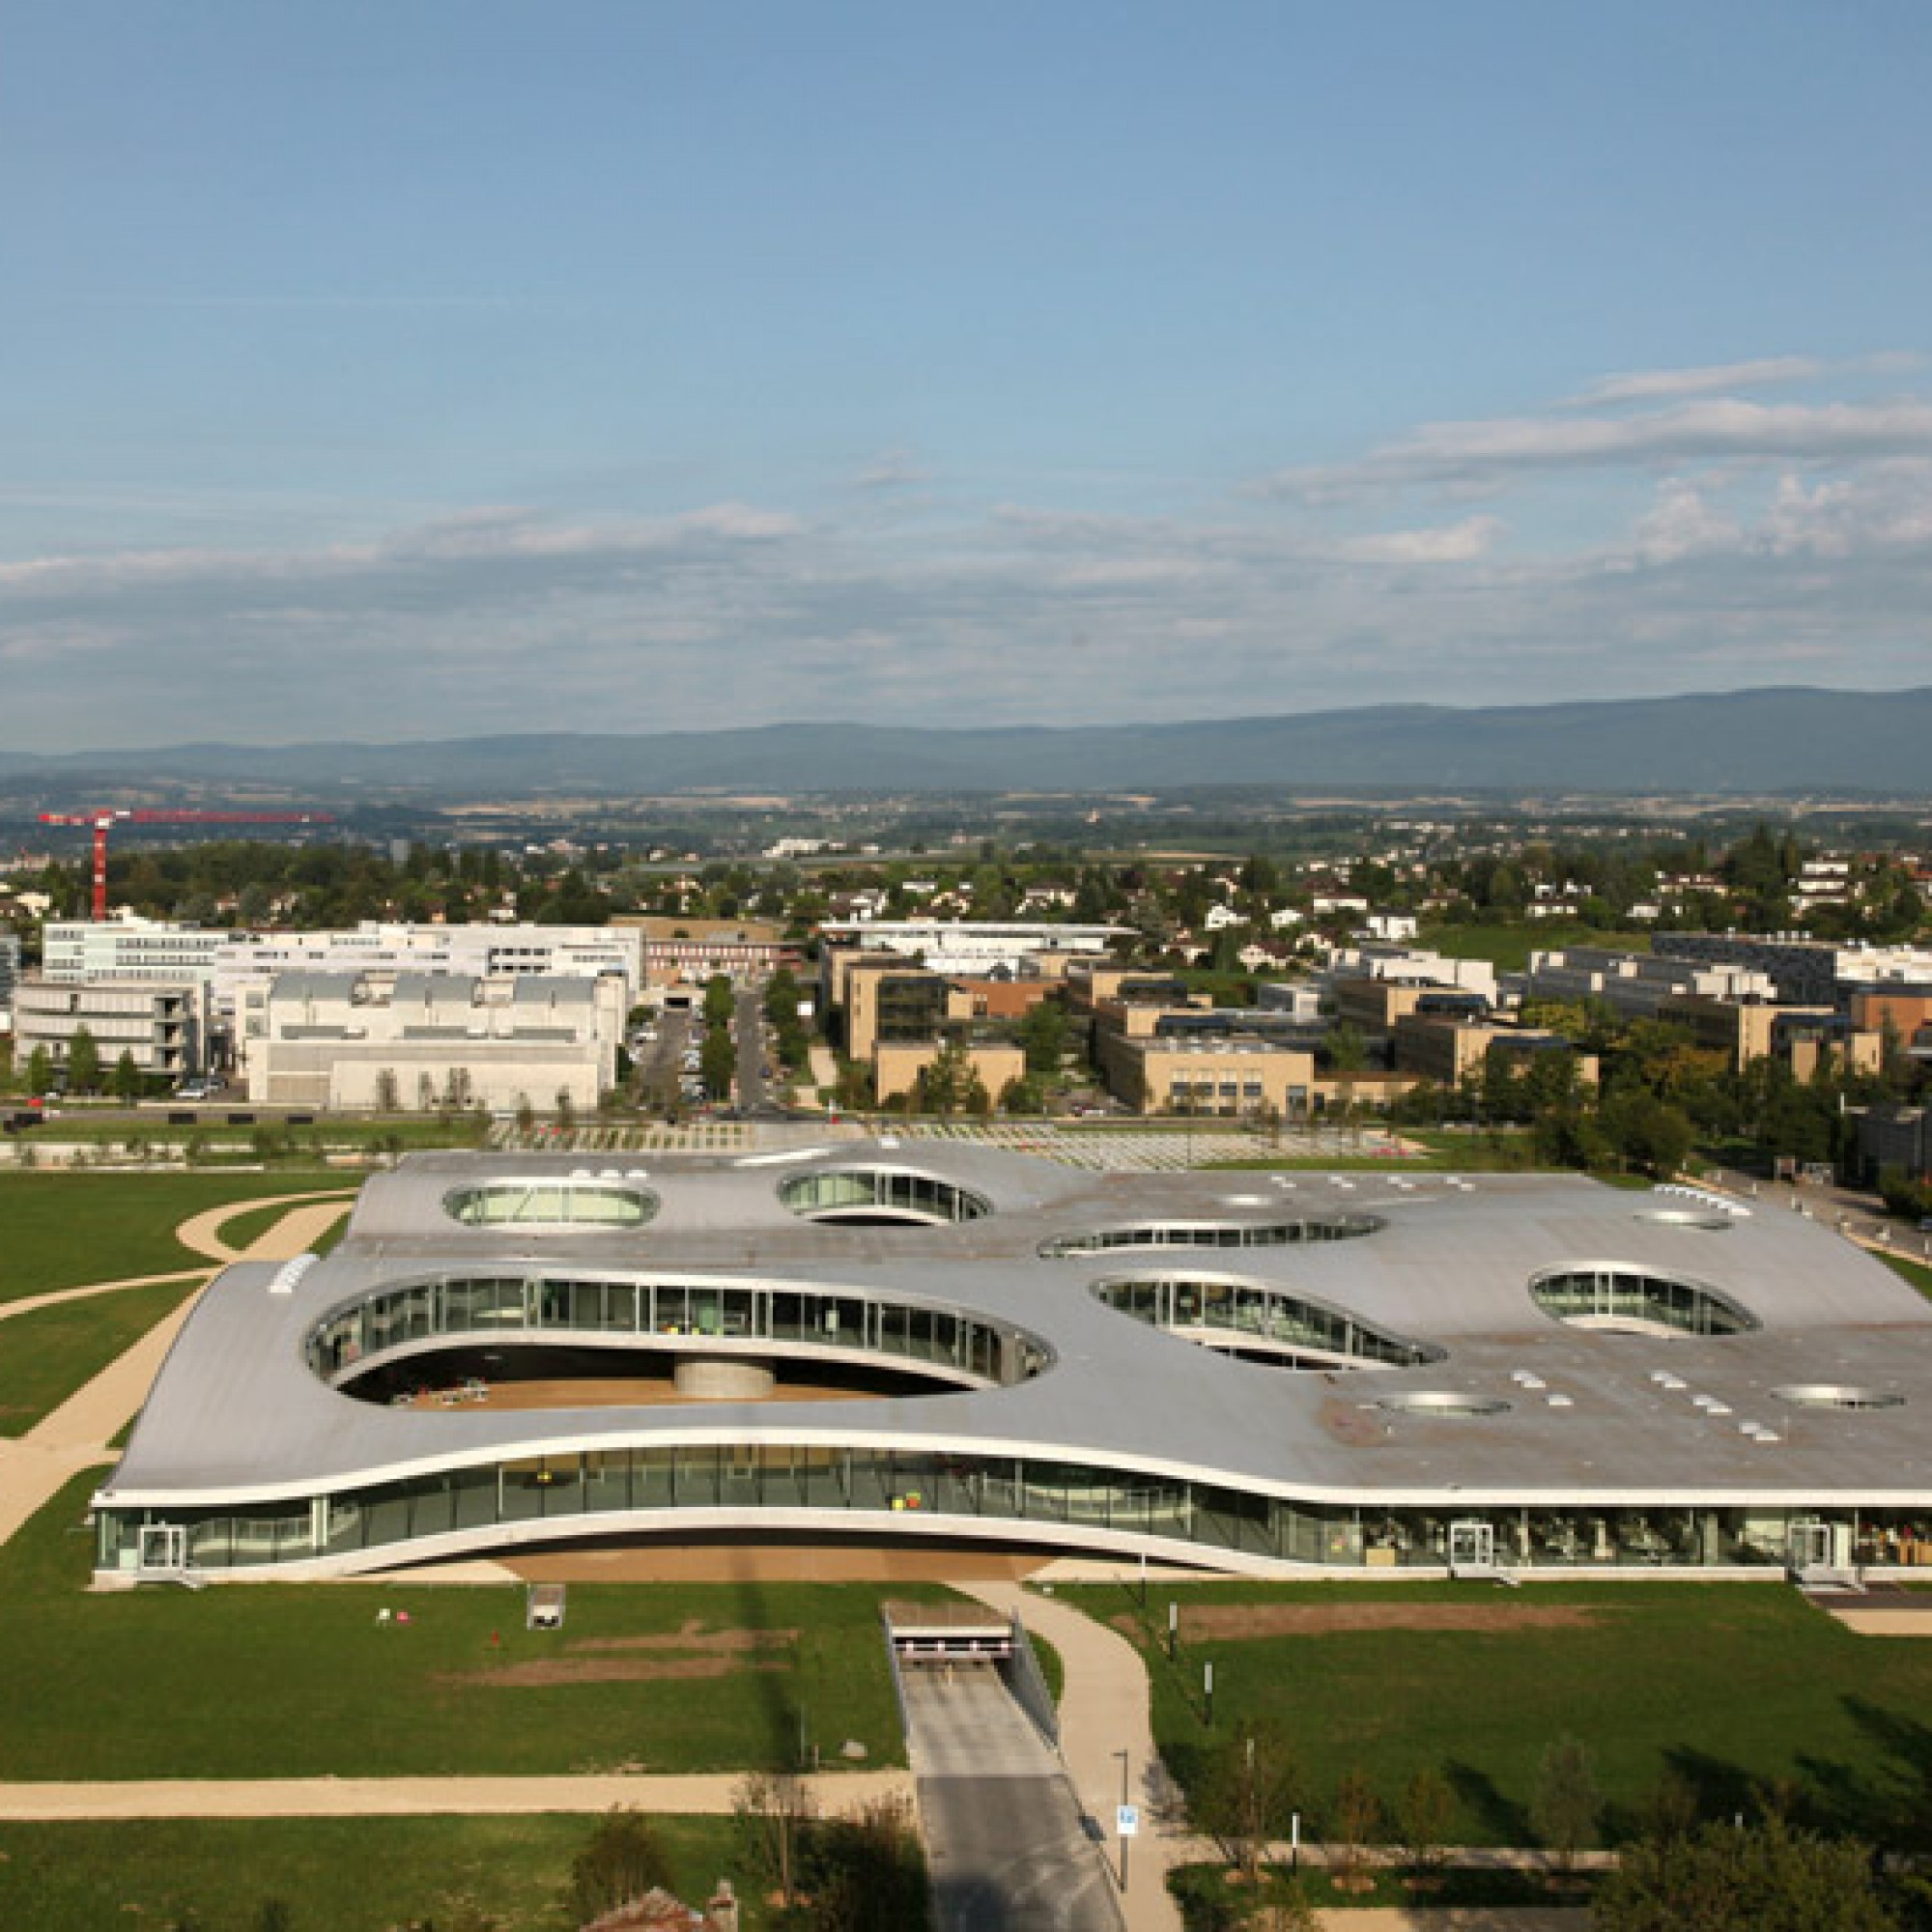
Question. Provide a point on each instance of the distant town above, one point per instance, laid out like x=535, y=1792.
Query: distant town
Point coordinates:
x=1600, y=985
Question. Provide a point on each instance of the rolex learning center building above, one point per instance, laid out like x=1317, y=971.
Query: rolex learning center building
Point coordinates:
x=1266, y=1374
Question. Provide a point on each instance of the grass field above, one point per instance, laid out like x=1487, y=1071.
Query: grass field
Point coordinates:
x=1916, y=1272
x=1730, y=1686
x=1509, y=947
x=47, y=1354
x=334, y=1874
x=64, y=1230
x=271, y=1680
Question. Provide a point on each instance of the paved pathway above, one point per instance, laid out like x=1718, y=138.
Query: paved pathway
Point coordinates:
x=200, y=1233
x=708, y=1794
x=54, y=1296
x=76, y=1436
x=1103, y=1712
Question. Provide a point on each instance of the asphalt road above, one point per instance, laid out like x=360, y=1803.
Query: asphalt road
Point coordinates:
x=1008, y=1849
x=753, y=1093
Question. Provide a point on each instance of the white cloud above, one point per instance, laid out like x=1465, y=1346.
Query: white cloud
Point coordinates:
x=1500, y=449
x=891, y=470
x=1649, y=385
x=1451, y=543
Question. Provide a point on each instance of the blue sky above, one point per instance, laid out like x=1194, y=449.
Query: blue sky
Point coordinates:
x=416, y=368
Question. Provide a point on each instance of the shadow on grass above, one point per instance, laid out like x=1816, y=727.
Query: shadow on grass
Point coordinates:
x=1503, y=1821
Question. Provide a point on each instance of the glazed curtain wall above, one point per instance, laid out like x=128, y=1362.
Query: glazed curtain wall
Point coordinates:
x=882, y=1484
x=503, y=1305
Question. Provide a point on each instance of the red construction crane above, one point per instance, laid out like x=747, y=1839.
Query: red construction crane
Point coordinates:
x=101, y=820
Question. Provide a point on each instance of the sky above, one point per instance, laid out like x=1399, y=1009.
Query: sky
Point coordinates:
x=420, y=368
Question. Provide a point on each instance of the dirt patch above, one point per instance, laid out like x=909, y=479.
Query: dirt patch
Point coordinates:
x=689, y=1652
x=689, y=1636
x=543, y=1672
x=1223, y=1623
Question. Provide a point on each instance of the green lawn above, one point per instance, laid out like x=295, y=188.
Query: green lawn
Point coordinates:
x=263, y=1680
x=1727, y=1685
x=334, y=1874
x=1916, y=1272
x=1509, y=947
x=64, y=1230
x=47, y=1354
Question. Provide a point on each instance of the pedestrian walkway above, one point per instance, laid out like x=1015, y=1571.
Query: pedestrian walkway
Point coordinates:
x=79, y=1433
x=711, y=1794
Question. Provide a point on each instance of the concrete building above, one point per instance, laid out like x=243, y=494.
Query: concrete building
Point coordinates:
x=1514, y=1375
x=82, y=951
x=77, y=951
x=684, y=951
x=1899, y=1137
x=9, y=975
x=163, y=1025
x=423, y=1040
x=972, y=947
x=1803, y=972
x=1636, y=985
x=897, y=1066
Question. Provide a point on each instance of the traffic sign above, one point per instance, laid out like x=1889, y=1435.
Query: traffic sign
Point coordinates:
x=1127, y=1820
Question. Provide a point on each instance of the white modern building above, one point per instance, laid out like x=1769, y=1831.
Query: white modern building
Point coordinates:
x=1637, y=985
x=1518, y=1375
x=423, y=1040
x=972, y=948
x=162, y=1024
x=127, y=948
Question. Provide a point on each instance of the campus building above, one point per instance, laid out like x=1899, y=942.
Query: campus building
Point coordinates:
x=418, y=1042
x=938, y=1343
x=162, y=1024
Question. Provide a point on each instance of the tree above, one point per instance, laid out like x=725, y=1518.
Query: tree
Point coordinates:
x=39, y=1071
x=125, y=1082
x=773, y=1814
x=387, y=1097
x=1563, y=1810
x=1727, y=1878
x=1249, y=1784
x=567, y=1112
x=1423, y=1815
x=1348, y=1052
x=621, y=1860
x=83, y=1062
x=1356, y=1818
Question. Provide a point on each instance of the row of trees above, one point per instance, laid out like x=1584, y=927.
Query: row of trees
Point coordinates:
x=1682, y=1874
x=84, y=1070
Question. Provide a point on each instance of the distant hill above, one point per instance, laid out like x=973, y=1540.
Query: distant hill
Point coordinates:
x=1775, y=740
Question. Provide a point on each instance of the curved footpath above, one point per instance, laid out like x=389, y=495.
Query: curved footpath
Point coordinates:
x=81, y=1432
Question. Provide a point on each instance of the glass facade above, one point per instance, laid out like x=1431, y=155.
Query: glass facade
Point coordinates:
x=876, y=1193
x=505, y=1305
x=1648, y=1304
x=643, y=1486
x=568, y=1202
x=1267, y=1317
x=1213, y=1234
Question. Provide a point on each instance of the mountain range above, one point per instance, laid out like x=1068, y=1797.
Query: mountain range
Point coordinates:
x=1787, y=740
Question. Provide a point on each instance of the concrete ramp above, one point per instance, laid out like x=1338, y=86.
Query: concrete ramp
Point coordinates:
x=1009, y=1850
